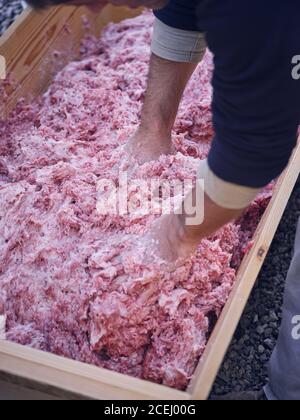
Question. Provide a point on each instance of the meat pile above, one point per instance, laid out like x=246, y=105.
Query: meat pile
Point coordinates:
x=72, y=282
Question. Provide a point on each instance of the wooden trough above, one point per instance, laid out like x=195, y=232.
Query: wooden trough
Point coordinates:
x=26, y=48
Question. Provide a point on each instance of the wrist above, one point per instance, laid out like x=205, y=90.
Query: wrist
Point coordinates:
x=157, y=130
x=158, y=137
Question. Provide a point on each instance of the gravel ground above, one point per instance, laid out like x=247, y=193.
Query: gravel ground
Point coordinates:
x=9, y=10
x=244, y=367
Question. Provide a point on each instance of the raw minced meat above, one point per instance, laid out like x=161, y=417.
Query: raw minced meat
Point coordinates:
x=72, y=281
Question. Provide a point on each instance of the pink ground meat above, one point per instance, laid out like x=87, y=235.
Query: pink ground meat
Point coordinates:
x=72, y=282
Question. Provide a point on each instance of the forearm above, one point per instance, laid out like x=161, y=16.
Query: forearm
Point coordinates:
x=221, y=203
x=166, y=84
x=175, y=55
x=215, y=217
x=177, y=239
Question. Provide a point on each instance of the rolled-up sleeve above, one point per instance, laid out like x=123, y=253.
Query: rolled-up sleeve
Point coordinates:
x=177, y=44
x=225, y=194
x=176, y=35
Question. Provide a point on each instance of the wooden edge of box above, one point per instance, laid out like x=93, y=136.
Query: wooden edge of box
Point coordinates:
x=77, y=377
x=39, y=44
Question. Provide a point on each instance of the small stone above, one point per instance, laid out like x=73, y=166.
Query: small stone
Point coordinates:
x=273, y=317
x=226, y=365
x=269, y=343
x=238, y=388
x=268, y=333
x=264, y=358
x=266, y=319
x=260, y=330
x=261, y=349
x=223, y=377
x=261, y=310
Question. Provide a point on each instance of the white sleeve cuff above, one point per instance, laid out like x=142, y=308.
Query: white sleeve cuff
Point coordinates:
x=176, y=44
x=223, y=193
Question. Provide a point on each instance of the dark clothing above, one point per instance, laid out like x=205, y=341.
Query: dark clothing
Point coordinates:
x=256, y=101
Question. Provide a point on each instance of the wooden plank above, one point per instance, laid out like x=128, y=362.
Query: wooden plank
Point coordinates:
x=78, y=377
x=219, y=342
x=13, y=392
x=24, y=46
x=30, y=47
x=34, y=386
